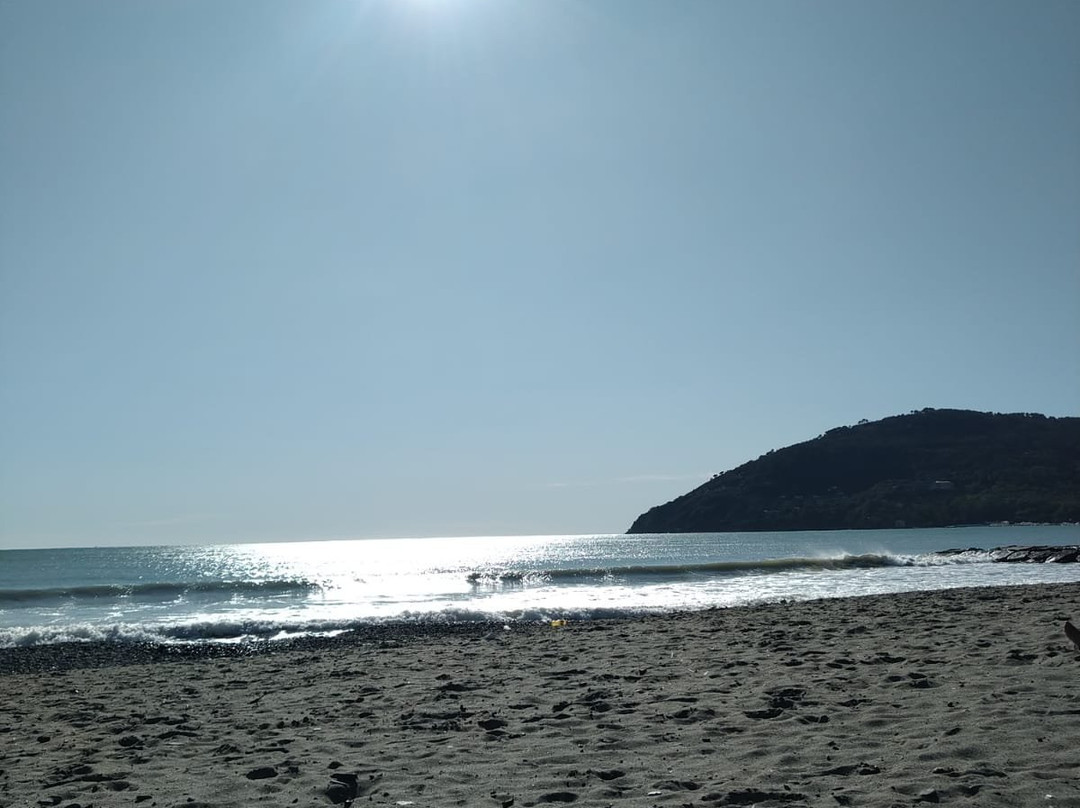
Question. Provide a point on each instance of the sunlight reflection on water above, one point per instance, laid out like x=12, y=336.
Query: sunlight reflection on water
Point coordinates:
x=265, y=589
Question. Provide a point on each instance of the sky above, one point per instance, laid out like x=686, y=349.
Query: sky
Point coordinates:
x=374, y=268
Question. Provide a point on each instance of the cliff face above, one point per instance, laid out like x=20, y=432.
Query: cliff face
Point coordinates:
x=932, y=468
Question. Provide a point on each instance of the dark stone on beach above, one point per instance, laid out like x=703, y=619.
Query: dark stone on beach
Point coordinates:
x=346, y=787
x=343, y=788
x=491, y=723
x=339, y=793
x=558, y=796
x=130, y=740
x=930, y=795
x=262, y=773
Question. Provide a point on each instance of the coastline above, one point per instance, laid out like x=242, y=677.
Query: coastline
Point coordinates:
x=240, y=594
x=962, y=696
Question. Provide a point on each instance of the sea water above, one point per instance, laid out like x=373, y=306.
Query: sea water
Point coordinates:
x=234, y=593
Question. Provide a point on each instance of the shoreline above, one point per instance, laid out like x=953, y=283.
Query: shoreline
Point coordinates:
x=956, y=696
x=77, y=655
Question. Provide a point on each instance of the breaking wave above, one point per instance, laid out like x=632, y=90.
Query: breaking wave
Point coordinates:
x=241, y=631
x=160, y=591
x=491, y=577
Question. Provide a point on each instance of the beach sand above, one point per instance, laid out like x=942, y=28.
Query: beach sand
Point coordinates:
x=961, y=697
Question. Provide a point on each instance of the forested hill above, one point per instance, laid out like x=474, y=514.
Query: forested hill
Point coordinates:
x=932, y=468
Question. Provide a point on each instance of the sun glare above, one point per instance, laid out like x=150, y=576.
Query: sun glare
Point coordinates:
x=432, y=6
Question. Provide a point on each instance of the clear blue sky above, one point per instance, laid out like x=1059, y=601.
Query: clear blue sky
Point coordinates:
x=349, y=268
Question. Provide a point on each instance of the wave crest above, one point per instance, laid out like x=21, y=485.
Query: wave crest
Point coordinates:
x=157, y=590
x=843, y=561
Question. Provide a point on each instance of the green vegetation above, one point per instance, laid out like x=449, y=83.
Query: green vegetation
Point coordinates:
x=932, y=468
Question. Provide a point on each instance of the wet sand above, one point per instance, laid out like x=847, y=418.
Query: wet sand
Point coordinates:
x=962, y=697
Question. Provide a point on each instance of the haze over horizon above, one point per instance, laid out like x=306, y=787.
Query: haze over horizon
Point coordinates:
x=376, y=268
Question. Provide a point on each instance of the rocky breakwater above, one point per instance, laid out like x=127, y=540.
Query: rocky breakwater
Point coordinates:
x=1058, y=554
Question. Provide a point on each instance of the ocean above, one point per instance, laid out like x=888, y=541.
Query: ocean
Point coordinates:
x=245, y=592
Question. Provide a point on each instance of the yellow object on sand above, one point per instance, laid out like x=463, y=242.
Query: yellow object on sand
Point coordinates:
x=558, y=623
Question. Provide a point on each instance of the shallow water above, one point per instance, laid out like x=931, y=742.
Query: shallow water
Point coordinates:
x=235, y=592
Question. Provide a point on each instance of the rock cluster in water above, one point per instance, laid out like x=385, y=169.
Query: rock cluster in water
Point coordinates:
x=1064, y=554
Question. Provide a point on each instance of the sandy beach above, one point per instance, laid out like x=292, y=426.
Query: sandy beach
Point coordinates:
x=965, y=697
